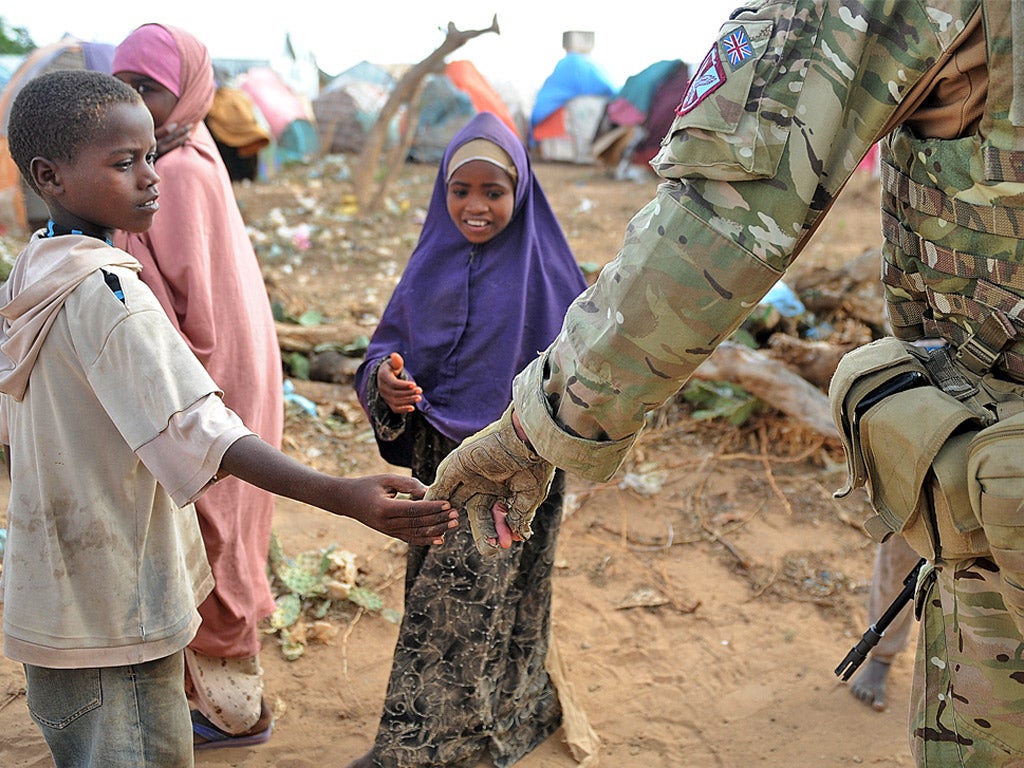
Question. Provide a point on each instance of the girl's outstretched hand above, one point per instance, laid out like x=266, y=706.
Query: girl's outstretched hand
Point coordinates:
x=395, y=387
x=375, y=502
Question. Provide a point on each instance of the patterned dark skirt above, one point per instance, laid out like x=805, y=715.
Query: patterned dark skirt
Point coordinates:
x=468, y=674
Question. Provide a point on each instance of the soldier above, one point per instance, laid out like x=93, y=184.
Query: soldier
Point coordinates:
x=787, y=101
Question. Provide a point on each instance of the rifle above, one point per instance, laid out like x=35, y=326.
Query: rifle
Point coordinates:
x=870, y=639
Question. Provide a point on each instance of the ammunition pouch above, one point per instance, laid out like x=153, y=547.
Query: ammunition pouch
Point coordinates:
x=907, y=442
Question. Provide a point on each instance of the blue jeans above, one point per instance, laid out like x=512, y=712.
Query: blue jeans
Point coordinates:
x=113, y=717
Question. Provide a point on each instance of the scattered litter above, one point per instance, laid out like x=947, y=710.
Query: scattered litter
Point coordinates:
x=782, y=297
x=586, y=206
x=646, y=484
x=644, y=597
x=307, y=586
x=291, y=396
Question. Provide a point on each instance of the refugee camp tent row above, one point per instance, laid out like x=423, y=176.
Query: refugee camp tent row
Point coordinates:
x=349, y=105
x=261, y=121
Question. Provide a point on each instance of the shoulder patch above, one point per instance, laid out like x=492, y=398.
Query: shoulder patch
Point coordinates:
x=737, y=47
x=706, y=80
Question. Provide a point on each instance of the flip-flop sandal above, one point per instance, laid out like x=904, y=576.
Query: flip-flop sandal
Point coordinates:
x=205, y=735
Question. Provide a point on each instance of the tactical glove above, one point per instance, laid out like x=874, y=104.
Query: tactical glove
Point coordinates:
x=492, y=466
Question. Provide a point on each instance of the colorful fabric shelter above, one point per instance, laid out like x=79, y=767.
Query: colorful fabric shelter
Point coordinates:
x=448, y=102
x=289, y=115
x=568, y=109
x=19, y=206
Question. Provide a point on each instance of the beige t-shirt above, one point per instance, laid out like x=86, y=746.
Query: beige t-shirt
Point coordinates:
x=102, y=566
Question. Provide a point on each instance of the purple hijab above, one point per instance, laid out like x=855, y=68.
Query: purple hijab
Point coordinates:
x=467, y=318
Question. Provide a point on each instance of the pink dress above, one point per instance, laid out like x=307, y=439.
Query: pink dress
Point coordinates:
x=198, y=260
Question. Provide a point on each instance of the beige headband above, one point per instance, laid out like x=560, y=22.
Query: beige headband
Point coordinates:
x=482, y=149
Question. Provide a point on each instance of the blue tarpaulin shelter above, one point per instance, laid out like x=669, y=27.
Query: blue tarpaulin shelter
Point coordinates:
x=569, y=107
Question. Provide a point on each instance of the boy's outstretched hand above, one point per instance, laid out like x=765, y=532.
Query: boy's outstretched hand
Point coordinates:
x=374, y=502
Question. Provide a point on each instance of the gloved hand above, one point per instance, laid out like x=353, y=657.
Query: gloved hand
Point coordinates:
x=494, y=466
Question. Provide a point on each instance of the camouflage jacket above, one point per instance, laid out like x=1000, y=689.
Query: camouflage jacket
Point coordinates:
x=788, y=100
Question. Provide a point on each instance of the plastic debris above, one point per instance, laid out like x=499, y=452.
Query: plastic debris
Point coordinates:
x=291, y=396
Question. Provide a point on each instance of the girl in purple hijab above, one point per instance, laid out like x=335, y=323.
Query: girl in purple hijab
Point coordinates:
x=483, y=293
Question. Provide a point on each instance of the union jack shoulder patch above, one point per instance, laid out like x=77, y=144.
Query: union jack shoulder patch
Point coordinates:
x=737, y=47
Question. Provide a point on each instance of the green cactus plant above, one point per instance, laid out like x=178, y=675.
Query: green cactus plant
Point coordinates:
x=308, y=585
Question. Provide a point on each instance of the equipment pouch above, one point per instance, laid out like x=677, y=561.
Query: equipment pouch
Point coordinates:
x=995, y=474
x=902, y=438
x=957, y=526
x=860, y=380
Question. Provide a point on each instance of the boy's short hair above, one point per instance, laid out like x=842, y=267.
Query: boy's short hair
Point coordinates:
x=54, y=114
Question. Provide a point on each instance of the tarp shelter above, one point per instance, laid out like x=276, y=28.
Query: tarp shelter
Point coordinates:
x=485, y=98
x=444, y=110
x=19, y=206
x=662, y=112
x=568, y=109
x=641, y=113
x=348, y=107
x=447, y=103
x=289, y=115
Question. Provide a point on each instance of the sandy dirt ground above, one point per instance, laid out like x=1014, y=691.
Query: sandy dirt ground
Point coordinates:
x=702, y=598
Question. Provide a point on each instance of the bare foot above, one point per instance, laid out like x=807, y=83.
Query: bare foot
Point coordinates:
x=366, y=761
x=869, y=684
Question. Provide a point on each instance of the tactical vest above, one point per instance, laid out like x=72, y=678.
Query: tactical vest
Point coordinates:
x=953, y=219
x=935, y=429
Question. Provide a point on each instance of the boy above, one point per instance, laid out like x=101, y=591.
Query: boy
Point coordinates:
x=114, y=428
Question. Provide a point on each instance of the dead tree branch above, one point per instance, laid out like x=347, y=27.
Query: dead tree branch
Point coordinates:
x=405, y=93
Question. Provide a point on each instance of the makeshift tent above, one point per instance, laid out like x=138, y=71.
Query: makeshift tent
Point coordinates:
x=518, y=104
x=641, y=113
x=19, y=206
x=348, y=107
x=289, y=115
x=568, y=109
x=662, y=112
x=444, y=110
x=447, y=103
x=467, y=78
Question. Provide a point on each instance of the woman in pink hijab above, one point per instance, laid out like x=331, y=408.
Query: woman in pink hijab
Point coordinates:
x=198, y=260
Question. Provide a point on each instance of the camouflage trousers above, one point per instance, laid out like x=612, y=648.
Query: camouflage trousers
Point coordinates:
x=967, y=705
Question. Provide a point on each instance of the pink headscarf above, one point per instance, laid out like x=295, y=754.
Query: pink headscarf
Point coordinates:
x=175, y=59
x=190, y=227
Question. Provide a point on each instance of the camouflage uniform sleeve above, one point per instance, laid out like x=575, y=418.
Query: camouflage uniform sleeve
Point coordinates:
x=776, y=118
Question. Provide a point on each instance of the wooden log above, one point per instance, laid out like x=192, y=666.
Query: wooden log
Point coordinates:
x=773, y=382
x=306, y=338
